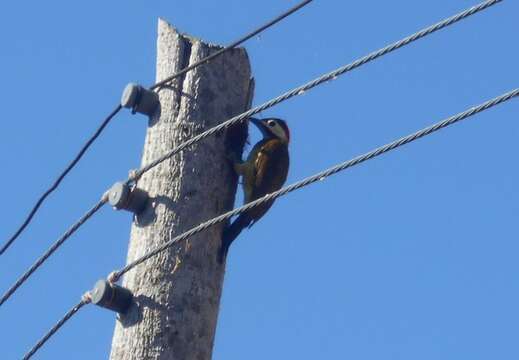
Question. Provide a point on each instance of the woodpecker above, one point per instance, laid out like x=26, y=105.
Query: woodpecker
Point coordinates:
x=264, y=172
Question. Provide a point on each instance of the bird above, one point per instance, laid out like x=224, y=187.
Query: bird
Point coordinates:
x=264, y=172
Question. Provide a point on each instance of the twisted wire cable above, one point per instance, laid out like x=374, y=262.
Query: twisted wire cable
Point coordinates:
x=299, y=90
x=86, y=299
x=116, y=275
x=119, y=107
x=311, y=84
x=238, y=42
x=53, y=248
x=60, y=178
x=96, y=207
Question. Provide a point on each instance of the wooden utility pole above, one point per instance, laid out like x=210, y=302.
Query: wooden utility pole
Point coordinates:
x=177, y=293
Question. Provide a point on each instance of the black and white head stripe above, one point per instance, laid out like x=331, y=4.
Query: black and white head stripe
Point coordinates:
x=278, y=128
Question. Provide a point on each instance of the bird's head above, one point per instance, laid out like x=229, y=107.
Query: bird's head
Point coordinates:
x=273, y=128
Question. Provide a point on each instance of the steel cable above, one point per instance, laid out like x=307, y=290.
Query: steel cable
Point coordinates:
x=56, y=183
x=52, y=249
x=96, y=207
x=116, y=275
x=118, y=108
x=318, y=81
x=318, y=177
x=84, y=301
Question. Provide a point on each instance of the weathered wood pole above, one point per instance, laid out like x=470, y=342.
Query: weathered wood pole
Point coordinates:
x=177, y=293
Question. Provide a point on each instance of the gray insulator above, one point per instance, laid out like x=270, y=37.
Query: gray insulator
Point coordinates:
x=140, y=99
x=122, y=197
x=111, y=296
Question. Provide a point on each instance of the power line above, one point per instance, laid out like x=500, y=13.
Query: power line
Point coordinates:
x=318, y=177
x=56, y=183
x=116, y=275
x=318, y=81
x=297, y=91
x=233, y=45
x=52, y=249
x=118, y=108
x=84, y=301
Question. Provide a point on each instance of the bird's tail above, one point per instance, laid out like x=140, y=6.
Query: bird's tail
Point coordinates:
x=231, y=232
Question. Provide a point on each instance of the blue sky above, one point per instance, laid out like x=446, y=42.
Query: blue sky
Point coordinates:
x=411, y=255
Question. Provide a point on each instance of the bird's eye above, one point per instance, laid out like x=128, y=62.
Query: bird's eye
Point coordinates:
x=271, y=123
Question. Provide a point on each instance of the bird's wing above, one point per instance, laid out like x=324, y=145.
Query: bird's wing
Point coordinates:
x=270, y=168
x=262, y=165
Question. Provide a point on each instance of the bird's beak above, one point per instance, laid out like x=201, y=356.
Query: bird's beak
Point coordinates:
x=260, y=124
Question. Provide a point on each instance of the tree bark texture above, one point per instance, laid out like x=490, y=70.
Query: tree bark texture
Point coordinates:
x=177, y=293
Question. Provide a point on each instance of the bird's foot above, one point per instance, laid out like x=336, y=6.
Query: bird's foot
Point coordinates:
x=235, y=161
